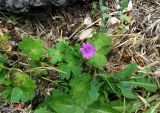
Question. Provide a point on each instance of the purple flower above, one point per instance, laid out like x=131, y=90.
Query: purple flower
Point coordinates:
x=87, y=50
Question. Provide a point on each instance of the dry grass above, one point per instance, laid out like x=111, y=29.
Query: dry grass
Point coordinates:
x=141, y=40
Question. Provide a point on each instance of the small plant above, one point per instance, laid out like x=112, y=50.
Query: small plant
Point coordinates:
x=86, y=85
x=21, y=88
x=33, y=48
x=75, y=75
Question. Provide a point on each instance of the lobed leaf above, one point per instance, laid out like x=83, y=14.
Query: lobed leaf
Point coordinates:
x=84, y=92
x=72, y=66
x=80, y=87
x=67, y=69
x=58, y=52
x=102, y=44
x=16, y=94
x=56, y=55
x=63, y=103
x=33, y=48
x=27, y=85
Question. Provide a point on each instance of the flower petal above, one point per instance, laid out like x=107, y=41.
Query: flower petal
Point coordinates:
x=87, y=50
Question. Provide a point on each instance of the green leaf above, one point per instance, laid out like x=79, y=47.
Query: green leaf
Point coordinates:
x=67, y=104
x=120, y=105
x=16, y=94
x=41, y=110
x=3, y=60
x=5, y=37
x=126, y=18
x=81, y=90
x=28, y=94
x=63, y=103
x=146, y=83
x=103, y=8
x=111, y=85
x=126, y=90
x=56, y=55
x=126, y=87
x=2, y=76
x=72, y=62
x=69, y=68
x=101, y=108
x=105, y=15
x=126, y=73
x=71, y=57
x=62, y=46
x=93, y=91
x=7, y=92
x=33, y=48
x=143, y=82
x=102, y=44
x=123, y=4
x=153, y=108
x=121, y=80
x=26, y=84
x=99, y=60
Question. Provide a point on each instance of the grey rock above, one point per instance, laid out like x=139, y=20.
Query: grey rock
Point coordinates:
x=22, y=6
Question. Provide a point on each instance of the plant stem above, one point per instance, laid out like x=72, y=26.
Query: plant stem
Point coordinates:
x=57, y=81
x=10, y=69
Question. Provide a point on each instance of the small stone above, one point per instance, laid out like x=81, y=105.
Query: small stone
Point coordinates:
x=114, y=21
x=88, y=20
x=157, y=73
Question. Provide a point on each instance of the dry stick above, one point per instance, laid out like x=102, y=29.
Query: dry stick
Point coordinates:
x=84, y=28
x=40, y=68
x=76, y=31
x=148, y=66
x=57, y=81
x=152, y=64
x=32, y=69
x=97, y=21
x=44, y=68
x=157, y=2
x=119, y=35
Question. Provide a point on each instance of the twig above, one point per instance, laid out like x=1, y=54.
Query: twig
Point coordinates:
x=153, y=64
x=10, y=69
x=50, y=80
x=119, y=35
x=76, y=31
x=43, y=68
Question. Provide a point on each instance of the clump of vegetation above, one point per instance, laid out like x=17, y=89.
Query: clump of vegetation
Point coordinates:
x=77, y=74
x=84, y=86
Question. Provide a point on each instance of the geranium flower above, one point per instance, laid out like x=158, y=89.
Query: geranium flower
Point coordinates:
x=87, y=50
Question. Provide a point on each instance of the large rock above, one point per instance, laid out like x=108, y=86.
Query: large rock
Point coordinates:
x=21, y=6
